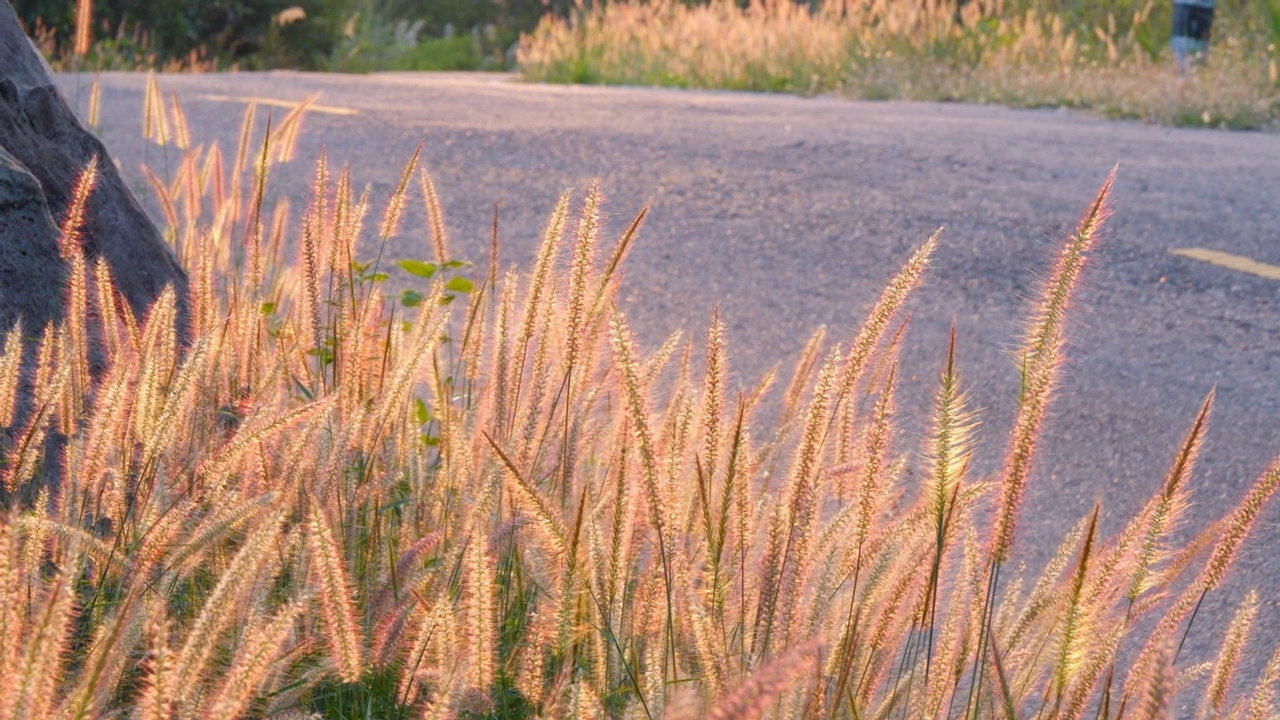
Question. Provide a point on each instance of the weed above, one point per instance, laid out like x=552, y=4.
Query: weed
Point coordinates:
x=483, y=500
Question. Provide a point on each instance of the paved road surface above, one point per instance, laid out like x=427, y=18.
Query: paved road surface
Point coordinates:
x=790, y=212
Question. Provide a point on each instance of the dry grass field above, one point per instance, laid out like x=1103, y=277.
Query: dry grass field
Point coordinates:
x=308, y=495
x=1110, y=58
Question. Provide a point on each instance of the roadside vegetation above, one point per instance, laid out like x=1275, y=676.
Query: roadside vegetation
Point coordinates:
x=1105, y=55
x=333, y=35
x=300, y=492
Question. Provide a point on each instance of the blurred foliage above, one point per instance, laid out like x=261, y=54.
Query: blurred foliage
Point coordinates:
x=357, y=35
x=367, y=35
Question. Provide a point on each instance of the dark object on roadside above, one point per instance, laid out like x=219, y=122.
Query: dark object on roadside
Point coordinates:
x=1191, y=24
x=43, y=149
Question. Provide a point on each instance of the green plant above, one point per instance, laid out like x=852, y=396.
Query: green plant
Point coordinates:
x=482, y=500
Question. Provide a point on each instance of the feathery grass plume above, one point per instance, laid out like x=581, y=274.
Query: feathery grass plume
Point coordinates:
x=259, y=649
x=542, y=268
x=804, y=370
x=46, y=642
x=181, y=134
x=84, y=26
x=107, y=301
x=1045, y=595
x=47, y=538
x=313, y=327
x=1041, y=358
x=213, y=180
x=1224, y=668
x=215, y=468
x=552, y=527
x=425, y=337
x=893, y=616
x=70, y=241
x=949, y=449
x=433, y=648
x=334, y=595
x=13, y=602
x=77, y=303
x=638, y=418
x=10, y=374
x=622, y=531
x=204, y=535
x=253, y=219
x=177, y=402
x=167, y=204
x=1096, y=659
x=395, y=206
x=242, y=158
x=766, y=685
x=158, y=352
x=482, y=631
x=285, y=139
x=340, y=248
x=107, y=659
x=46, y=364
x=203, y=300
x=500, y=358
x=677, y=428
x=95, y=101
x=713, y=399
x=1076, y=621
x=878, y=320
x=1238, y=527
x=950, y=442
x=435, y=218
x=579, y=274
x=1167, y=508
x=35, y=526
x=157, y=700
x=1158, y=645
x=28, y=449
x=876, y=458
x=1260, y=703
x=707, y=648
x=155, y=121
x=221, y=607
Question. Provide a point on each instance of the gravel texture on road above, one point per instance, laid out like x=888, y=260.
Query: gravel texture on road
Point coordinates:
x=789, y=213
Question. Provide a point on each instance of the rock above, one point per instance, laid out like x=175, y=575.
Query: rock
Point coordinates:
x=43, y=140
x=29, y=238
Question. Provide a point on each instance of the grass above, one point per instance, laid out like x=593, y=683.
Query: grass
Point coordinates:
x=295, y=492
x=1109, y=58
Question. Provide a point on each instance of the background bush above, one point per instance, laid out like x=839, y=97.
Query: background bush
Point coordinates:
x=338, y=34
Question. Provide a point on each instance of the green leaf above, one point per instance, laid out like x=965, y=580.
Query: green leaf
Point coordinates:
x=459, y=284
x=379, y=277
x=268, y=308
x=325, y=354
x=411, y=298
x=419, y=268
x=455, y=264
x=420, y=408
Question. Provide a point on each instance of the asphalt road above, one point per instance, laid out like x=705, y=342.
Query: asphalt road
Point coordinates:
x=788, y=213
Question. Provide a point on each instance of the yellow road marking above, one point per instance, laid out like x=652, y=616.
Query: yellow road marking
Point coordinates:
x=1227, y=260
x=327, y=109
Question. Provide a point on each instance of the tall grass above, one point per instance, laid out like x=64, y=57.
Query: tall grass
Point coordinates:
x=482, y=498
x=1091, y=55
